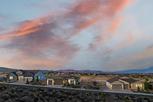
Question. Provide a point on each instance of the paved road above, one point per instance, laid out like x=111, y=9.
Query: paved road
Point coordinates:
x=79, y=89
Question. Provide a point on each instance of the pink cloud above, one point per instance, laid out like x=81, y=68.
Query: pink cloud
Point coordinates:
x=112, y=24
x=33, y=38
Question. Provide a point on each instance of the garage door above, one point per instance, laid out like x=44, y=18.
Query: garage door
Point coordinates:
x=117, y=87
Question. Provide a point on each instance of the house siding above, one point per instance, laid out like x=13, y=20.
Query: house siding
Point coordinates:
x=40, y=75
x=135, y=86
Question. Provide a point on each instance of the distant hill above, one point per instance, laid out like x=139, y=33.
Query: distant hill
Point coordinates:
x=144, y=70
x=4, y=69
x=80, y=71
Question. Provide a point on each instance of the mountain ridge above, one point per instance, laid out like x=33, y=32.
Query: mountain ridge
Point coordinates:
x=5, y=69
x=143, y=70
x=131, y=71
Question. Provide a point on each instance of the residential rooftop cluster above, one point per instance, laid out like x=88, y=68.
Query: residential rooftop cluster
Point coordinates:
x=98, y=81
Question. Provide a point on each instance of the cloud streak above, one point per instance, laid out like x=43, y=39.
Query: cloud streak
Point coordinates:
x=46, y=40
x=112, y=24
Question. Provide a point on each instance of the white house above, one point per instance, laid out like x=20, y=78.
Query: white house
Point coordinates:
x=72, y=81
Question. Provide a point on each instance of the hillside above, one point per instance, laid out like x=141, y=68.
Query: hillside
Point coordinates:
x=4, y=69
x=144, y=70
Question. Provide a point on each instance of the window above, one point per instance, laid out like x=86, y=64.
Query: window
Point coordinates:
x=11, y=77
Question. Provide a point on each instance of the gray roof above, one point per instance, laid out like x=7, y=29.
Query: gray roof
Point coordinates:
x=129, y=80
x=28, y=74
x=113, y=79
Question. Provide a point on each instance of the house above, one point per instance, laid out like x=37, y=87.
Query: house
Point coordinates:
x=100, y=79
x=60, y=80
x=125, y=84
x=128, y=82
x=20, y=76
x=134, y=84
x=71, y=80
x=12, y=77
x=115, y=84
x=3, y=77
x=28, y=76
x=137, y=85
x=40, y=75
x=55, y=81
x=50, y=82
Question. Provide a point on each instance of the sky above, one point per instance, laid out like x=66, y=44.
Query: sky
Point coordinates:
x=105, y=35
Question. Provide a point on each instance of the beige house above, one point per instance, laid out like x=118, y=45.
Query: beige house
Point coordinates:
x=117, y=84
x=100, y=79
x=139, y=84
x=51, y=82
x=55, y=81
x=3, y=75
x=61, y=80
x=125, y=84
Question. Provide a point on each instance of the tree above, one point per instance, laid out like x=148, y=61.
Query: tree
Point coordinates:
x=37, y=79
x=147, y=85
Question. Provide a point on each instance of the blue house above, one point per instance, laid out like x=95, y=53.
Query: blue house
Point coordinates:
x=40, y=75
